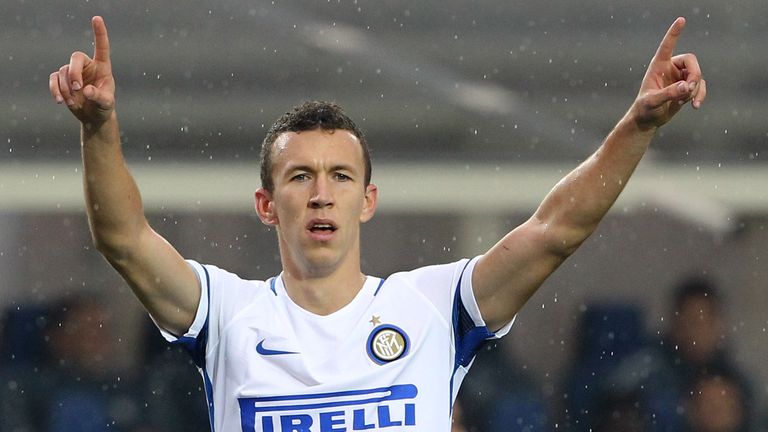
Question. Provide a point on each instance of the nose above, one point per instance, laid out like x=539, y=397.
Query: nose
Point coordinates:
x=321, y=194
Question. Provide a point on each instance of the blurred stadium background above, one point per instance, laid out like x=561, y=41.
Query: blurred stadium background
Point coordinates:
x=473, y=110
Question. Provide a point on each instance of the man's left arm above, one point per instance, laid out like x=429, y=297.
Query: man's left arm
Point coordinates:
x=511, y=271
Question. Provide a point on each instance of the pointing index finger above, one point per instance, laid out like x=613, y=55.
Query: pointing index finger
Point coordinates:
x=667, y=46
x=100, y=39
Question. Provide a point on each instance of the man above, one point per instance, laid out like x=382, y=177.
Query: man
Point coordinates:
x=322, y=347
x=693, y=352
x=85, y=388
x=717, y=402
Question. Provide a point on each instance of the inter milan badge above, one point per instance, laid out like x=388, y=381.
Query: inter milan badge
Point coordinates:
x=387, y=343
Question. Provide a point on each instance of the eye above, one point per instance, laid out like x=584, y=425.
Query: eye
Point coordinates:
x=300, y=177
x=341, y=177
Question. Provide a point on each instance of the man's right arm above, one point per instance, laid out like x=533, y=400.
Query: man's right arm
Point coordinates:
x=161, y=279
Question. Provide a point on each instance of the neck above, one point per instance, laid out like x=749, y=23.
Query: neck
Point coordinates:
x=323, y=294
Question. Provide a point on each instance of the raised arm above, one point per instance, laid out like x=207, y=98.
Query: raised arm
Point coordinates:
x=158, y=275
x=511, y=271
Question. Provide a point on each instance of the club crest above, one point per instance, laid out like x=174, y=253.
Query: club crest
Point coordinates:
x=387, y=343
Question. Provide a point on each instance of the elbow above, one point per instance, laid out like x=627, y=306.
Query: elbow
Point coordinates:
x=104, y=244
x=562, y=239
x=113, y=249
x=565, y=244
x=116, y=247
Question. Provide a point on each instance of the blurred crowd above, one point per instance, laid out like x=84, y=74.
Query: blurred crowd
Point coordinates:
x=623, y=379
x=58, y=373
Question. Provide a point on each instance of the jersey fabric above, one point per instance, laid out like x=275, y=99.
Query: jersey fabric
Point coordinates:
x=392, y=359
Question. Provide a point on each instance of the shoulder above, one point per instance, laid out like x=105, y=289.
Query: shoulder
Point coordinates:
x=218, y=281
x=436, y=284
x=434, y=274
x=212, y=271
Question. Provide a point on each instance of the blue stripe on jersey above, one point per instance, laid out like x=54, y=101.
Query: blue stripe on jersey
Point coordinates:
x=396, y=392
x=209, y=397
x=379, y=287
x=196, y=346
x=196, y=349
x=468, y=337
x=202, y=344
x=265, y=408
x=272, y=285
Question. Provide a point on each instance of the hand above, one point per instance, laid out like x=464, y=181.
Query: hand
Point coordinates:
x=669, y=83
x=86, y=84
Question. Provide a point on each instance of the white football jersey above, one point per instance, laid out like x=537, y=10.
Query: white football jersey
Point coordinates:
x=392, y=359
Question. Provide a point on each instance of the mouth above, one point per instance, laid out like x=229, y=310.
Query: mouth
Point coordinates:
x=322, y=227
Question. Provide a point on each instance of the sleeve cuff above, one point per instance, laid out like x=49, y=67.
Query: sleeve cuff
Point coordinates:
x=470, y=303
x=202, y=308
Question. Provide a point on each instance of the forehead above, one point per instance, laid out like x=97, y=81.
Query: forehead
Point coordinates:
x=317, y=146
x=698, y=302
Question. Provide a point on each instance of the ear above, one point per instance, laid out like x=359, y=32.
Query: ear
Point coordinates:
x=369, y=205
x=265, y=207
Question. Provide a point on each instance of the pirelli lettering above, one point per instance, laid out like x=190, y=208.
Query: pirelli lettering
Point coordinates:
x=355, y=410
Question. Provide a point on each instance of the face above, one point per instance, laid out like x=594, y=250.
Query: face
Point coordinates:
x=84, y=339
x=716, y=406
x=319, y=200
x=698, y=329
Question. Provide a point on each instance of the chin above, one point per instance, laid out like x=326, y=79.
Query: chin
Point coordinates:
x=321, y=262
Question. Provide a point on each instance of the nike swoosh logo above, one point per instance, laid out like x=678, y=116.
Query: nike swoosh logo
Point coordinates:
x=267, y=352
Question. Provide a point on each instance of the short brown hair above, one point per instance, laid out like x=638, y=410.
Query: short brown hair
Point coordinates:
x=312, y=115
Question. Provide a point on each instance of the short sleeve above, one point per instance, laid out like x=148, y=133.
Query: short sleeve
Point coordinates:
x=202, y=306
x=195, y=338
x=469, y=303
x=470, y=332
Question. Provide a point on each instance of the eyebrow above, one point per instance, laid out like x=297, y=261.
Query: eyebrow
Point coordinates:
x=337, y=167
